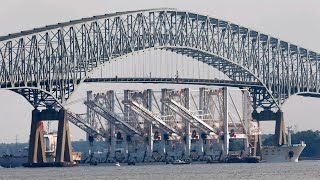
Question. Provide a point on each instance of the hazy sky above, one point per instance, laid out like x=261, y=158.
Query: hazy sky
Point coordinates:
x=296, y=21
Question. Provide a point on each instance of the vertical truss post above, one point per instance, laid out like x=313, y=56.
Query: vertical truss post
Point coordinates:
x=226, y=121
x=112, y=129
x=163, y=112
x=280, y=132
x=246, y=119
x=64, y=149
x=202, y=101
x=126, y=119
x=90, y=121
x=187, y=124
x=150, y=134
x=259, y=143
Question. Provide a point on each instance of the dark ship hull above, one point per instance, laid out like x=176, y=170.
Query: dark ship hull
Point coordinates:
x=9, y=161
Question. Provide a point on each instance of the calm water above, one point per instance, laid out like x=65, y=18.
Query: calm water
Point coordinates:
x=304, y=170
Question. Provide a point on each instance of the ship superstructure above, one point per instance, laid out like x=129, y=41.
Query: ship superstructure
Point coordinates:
x=11, y=160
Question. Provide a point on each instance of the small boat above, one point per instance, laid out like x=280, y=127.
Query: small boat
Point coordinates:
x=213, y=161
x=117, y=164
x=178, y=161
x=131, y=163
x=14, y=160
x=235, y=158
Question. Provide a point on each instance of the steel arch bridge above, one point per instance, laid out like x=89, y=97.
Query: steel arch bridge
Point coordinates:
x=46, y=64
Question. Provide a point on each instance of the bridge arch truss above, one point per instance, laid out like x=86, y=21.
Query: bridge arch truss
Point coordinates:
x=55, y=59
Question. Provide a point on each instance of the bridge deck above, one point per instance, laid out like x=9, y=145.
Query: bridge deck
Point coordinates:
x=216, y=82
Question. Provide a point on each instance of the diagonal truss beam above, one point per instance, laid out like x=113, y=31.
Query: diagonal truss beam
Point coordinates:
x=113, y=118
x=82, y=124
x=188, y=116
x=148, y=115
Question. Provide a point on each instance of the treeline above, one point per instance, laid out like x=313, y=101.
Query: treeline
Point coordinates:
x=310, y=138
x=12, y=148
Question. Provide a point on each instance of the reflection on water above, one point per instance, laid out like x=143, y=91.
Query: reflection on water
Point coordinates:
x=303, y=170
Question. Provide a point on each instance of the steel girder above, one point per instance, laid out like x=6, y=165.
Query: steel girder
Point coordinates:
x=56, y=58
x=209, y=82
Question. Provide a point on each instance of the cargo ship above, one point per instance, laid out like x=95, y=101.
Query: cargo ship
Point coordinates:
x=285, y=153
x=20, y=158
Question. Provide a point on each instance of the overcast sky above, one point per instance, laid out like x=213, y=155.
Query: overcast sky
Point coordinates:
x=296, y=21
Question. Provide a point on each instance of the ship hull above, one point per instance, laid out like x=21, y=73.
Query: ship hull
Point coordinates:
x=283, y=153
x=12, y=161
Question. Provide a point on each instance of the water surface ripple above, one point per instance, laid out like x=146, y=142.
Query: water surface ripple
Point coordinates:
x=303, y=170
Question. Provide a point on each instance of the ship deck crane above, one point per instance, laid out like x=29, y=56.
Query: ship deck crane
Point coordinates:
x=113, y=118
x=82, y=124
x=188, y=115
x=149, y=116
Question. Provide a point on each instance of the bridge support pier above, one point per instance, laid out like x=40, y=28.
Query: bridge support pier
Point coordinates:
x=37, y=156
x=36, y=142
x=257, y=145
x=64, y=149
x=280, y=132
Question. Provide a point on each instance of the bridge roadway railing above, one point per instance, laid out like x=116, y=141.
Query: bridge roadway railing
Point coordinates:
x=149, y=116
x=217, y=82
x=113, y=118
x=187, y=115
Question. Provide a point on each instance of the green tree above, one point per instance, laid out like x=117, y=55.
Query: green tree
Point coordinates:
x=310, y=138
